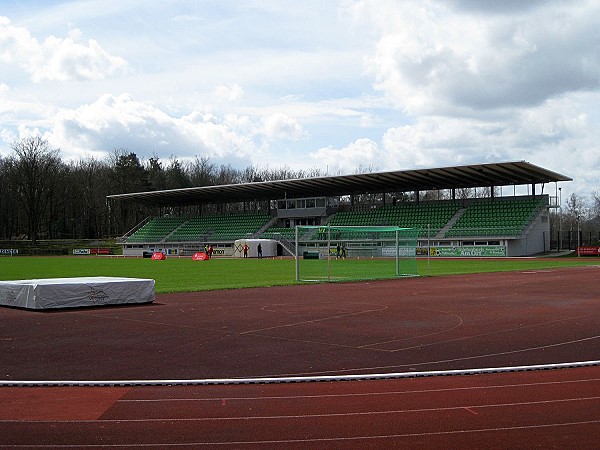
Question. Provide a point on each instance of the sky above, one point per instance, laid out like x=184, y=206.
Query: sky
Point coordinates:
x=342, y=86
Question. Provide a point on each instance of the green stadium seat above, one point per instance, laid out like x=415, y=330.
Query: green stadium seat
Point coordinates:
x=503, y=217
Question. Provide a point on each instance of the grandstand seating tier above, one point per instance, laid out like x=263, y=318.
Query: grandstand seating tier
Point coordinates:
x=506, y=217
x=485, y=218
x=200, y=228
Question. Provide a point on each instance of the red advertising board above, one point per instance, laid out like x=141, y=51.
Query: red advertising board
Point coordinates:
x=100, y=251
x=588, y=250
x=158, y=256
x=200, y=256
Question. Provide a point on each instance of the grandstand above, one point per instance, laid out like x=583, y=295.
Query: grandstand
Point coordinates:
x=494, y=226
x=434, y=215
x=156, y=229
x=217, y=228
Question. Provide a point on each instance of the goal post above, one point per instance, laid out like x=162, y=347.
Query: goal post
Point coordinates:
x=347, y=253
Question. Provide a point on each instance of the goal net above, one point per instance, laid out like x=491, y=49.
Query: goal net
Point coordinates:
x=346, y=253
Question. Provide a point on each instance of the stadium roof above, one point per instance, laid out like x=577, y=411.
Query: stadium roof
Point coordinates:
x=477, y=175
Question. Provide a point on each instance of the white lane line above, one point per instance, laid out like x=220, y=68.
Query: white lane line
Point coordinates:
x=295, y=379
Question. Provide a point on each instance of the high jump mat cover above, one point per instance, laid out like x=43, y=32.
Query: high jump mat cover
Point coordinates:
x=75, y=292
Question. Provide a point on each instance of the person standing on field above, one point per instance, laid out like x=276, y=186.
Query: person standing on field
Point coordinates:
x=245, y=250
x=259, y=250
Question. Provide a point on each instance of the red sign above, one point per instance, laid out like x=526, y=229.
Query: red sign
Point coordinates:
x=100, y=251
x=158, y=256
x=588, y=250
x=199, y=256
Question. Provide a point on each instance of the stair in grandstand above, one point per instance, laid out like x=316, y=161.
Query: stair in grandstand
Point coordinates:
x=265, y=228
x=156, y=230
x=450, y=223
x=135, y=228
x=288, y=245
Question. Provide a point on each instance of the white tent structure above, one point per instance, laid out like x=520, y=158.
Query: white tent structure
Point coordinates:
x=268, y=246
x=75, y=292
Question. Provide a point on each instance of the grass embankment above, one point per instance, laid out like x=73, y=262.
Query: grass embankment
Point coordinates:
x=183, y=274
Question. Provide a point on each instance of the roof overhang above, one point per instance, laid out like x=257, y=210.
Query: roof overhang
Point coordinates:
x=456, y=177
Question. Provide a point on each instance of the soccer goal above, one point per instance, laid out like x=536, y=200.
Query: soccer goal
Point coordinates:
x=346, y=253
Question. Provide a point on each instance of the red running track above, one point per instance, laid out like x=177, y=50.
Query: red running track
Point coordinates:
x=541, y=409
x=461, y=322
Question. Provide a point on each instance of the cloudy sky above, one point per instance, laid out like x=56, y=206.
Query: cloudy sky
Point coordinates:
x=342, y=86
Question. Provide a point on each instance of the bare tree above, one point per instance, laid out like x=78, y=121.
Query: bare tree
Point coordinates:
x=33, y=173
x=576, y=207
x=127, y=175
x=156, y=174
x=575, y=216
x=89, y=188
x=465, y=193
x=9, y=211
x=202, y=171
x=227, y=175
x=595, y=208
x=176, y=175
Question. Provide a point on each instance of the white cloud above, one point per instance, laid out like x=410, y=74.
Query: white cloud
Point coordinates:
x=231, y=92
x=239, y=123
x=483, y=83
x=7, y=136
x=18, y=114
x=431, y=59
x=3, y=89
x=361, y=153
x=556, y=135
x=121, y=121
x=56, y=59
x=503, y=7
x=415, y=83
x=280, y=126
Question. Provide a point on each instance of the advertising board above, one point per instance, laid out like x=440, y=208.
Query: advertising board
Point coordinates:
x=588, y=250
x=402, y=252
x=487, y=251
x=92, y=251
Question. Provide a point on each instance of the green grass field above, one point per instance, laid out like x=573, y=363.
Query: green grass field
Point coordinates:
x=184, y=275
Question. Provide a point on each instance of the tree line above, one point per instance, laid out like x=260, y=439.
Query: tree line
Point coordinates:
x=45, y=197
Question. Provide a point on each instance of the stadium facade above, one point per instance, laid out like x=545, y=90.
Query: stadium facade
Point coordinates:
x=494, y=226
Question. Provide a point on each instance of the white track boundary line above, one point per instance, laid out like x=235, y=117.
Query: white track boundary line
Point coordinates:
x=298, y=379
